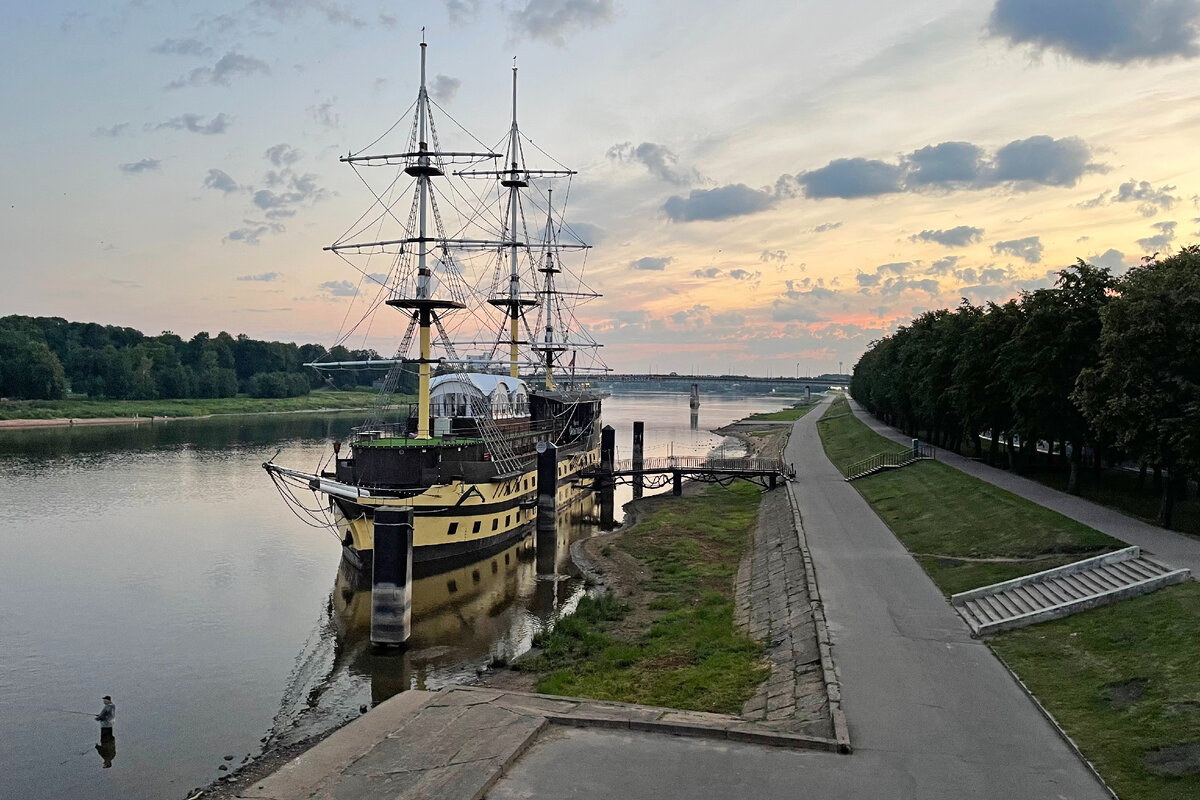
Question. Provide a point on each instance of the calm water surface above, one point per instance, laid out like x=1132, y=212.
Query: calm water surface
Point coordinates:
x=157, y=564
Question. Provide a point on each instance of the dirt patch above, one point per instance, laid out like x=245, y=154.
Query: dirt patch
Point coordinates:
x=1185, y=707
x=1123, y=695
x=766, y=440
x=1178, y=759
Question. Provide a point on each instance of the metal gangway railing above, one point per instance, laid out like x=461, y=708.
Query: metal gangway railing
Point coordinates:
x=705, y=463
x=889, y=459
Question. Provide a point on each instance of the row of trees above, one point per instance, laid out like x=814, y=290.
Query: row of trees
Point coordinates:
x=48, y=358
x=1099, y=366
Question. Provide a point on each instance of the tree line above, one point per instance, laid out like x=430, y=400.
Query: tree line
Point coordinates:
x=47, y=358
x=1098, y=367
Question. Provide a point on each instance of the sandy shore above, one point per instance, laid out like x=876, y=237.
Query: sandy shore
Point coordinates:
x=59, y=422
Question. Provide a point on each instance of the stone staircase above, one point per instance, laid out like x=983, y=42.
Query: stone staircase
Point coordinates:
x=1063, y=591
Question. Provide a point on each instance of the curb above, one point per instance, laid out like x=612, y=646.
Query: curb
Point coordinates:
x=833, y=687
x=1054, y=723
x=745, y=732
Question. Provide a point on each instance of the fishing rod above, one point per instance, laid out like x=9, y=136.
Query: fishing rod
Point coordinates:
x=56, y=710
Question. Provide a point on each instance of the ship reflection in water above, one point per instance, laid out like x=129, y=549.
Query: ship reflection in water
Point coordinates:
x=463, y=619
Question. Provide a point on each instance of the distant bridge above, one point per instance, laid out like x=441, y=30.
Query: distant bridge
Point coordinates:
x=672, y=377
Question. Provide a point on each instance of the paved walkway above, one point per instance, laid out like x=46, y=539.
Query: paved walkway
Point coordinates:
x=1172, y=548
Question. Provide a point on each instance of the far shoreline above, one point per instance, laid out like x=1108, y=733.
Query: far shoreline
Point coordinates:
x=65, y=422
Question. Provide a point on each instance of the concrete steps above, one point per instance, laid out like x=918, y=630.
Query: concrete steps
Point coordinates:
x=1063, y=591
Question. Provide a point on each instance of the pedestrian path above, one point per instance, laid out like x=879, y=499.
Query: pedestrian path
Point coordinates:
x=1175, y=549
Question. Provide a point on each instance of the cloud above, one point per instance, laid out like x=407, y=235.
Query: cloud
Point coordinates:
x=773, y=255
x=292, y=10
x=265, y=277
x=961, y=236
x=324, y=114
x=553, y=20
x=945, y=164
x=744, y=274
x=253, y=232
x=897, y=285
x=461, y=12
x=943, y=265
x=723, y=202
x=1020, y=164
x=387, y=20
x=1112, y=31
x=444, y=88
x=800, y=301
x=656, y=264
x=229, y=66
x=867, y=279
x=195, y=124
x=852, y=177
x=827, y=226
x=182, y=47
x=124, y=284
x=1150, y=200
x=877, y=278
x=1112, y=259
x=113, y=132
x=282, y=155
x=137, y=167
x=1160, y=241
x=221, y=181
x=339, y=288
x=707, y=274
x=1029, y=249
x=296, y=190
x=657, y=158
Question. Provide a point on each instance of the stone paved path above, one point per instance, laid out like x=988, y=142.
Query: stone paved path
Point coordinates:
x=774, y=607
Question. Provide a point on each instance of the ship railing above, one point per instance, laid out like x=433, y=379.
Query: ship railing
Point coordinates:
x=748, y=464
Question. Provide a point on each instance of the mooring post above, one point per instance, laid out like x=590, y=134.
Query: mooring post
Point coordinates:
x=639, y=441
x=547, y=507
x=608, y=456
x=677, y=482
x=391, y=576
x=772, y=480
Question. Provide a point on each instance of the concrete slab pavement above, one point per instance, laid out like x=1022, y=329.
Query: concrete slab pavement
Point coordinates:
x=1175, y=549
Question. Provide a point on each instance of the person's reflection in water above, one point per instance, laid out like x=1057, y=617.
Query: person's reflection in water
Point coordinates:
x=107, y=747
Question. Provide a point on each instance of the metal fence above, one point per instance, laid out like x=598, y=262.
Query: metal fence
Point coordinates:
x=888, y=460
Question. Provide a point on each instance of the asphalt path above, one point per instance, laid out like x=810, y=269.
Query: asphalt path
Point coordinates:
x=932, y=713
x=1175, y=549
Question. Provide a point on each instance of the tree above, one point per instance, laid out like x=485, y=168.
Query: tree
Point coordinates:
x=29, y=370
x=1145, y=387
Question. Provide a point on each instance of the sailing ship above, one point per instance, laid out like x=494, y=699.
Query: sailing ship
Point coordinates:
x=464, y=459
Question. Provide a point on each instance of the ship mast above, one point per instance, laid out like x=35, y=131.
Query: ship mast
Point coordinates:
x=514, y=179
x=549, y=268
x=422, y=163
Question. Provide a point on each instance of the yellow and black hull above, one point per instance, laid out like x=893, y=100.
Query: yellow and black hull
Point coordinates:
x=460, y=519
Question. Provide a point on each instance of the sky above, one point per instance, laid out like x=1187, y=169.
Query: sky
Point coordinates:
x=767, y=186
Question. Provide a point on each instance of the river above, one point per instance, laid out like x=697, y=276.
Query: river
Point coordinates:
x=155, y=563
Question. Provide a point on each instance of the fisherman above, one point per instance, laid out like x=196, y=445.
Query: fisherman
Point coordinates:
x=106, y=718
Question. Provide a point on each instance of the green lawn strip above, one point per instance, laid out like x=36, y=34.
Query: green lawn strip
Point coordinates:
x=692, y=656
x=1074, y=664
x=936, y=510
x=91, y=409
x=785, y=415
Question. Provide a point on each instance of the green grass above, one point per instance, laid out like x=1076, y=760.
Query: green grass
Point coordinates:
x=691, y=656
x=940, y=513
x=1072, y=664
x=785, y=415
x=242, y=404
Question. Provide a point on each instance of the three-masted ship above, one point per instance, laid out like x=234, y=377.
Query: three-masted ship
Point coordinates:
x=464, y=459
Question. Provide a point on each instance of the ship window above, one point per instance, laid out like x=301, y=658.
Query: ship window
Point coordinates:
x=475, y=527
x=527, y=484
x=475, y=575
x=494, y=567
x=506, y=558
x=507, y=519
x=453, y=529
x=495, y=523
x=451, y=587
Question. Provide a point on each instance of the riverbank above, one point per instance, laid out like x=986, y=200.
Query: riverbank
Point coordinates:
x=16, y=415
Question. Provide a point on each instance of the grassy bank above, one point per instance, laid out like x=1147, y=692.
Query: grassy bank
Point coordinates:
x=785, y=415
x=1121, y=680
x=93, y=409
x=680, y=649
x=965, y=532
